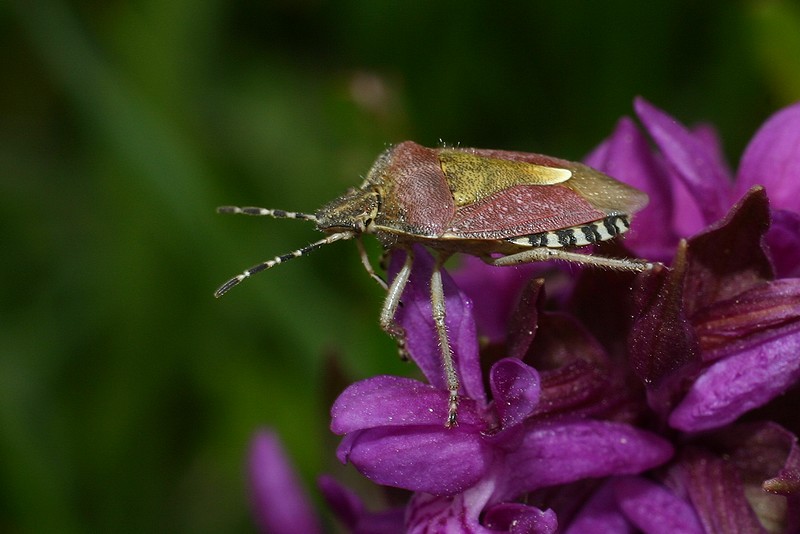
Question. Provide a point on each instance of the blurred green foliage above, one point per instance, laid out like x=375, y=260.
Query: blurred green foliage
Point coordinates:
x=127, y=393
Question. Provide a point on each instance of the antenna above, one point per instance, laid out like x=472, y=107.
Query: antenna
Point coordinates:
x=264, y=212
x=263, y=266
x=278, y=214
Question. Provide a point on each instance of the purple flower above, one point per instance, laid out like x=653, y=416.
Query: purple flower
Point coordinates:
x=717, y=336
x=690, y=186
x=350, y=510
x=717, y=484
x=658, y=403
x=500, y=450
x=280, y=505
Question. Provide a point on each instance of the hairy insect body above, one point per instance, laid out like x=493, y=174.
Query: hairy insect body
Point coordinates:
x=490, y=196
x=505, y=207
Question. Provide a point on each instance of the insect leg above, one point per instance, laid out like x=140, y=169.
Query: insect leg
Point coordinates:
x=393, y=301
x=368, y=266
x=439, y=314
x=546, y=254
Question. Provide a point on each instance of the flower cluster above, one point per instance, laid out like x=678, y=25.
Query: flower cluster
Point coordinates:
x=659, y=403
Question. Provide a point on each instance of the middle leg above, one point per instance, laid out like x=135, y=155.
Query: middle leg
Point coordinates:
x=448, y=364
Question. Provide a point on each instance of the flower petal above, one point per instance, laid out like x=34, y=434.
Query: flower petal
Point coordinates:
x=349, y=509
x=733, y=321
x=766, y=455
x=279, y=502
x=515, y=390
x=494, y=291
x=728, y=257
x=344, y=503
x=601, y=515
x=742, y=381
x=460, y=513
x=395, y=401
x=579, y=389
x=772, y=159
x=787, y=480
x=516, y=518
x=626, y=156
x=664, y=351
x=717, y=493
x=707, y=136
x=783, y=243
x=523, y=323
x=431, y=459
x=560, y=340
x=655, y=509
x=740, y=475
x=561, y=452
x=574, y=369
x=689, y=155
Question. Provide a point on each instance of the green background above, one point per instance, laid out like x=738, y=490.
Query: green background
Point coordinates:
x=127, y=393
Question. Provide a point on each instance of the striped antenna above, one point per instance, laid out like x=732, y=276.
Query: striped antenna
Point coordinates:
x=236, y=280
x=264, y=212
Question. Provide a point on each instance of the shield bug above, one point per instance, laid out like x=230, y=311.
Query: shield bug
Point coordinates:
x=505, y=207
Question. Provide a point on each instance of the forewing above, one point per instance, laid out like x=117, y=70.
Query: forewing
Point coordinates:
x=501, y=194
x=522, y=210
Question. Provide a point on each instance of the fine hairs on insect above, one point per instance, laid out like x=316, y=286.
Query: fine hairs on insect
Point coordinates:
x=504, y=207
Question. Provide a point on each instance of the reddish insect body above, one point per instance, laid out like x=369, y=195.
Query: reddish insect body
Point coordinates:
x=505, y=207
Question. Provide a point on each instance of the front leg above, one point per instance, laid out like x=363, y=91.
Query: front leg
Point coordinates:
x=392, y=301
x=362, y=252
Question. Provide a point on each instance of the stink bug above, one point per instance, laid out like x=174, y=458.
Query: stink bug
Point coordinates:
x=505, y=207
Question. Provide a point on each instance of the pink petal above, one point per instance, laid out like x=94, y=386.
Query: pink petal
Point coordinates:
x=626, y=155
x=385, y=401
x=431, y=459
x=516, y=518
x=494, y=291
x=772, y=159
x=429, y=514
x=655, y=509
x=515, y=390
x=349, y=509
x=689, y=156
x=278, y=500
x=756, y=374
x=601, y=515
x=783, y=243
x=556, y=453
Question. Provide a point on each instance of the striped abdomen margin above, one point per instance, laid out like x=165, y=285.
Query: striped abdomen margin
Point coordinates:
x=576, y=236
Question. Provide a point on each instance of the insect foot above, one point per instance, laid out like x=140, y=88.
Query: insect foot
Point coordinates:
x=504, y=207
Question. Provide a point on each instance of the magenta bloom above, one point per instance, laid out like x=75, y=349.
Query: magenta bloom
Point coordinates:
x=691, y=187
x=658, y=403
x=280, y=506
x=501, y=450
x=718, y=320
x=279, y=502
x=716, y=336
